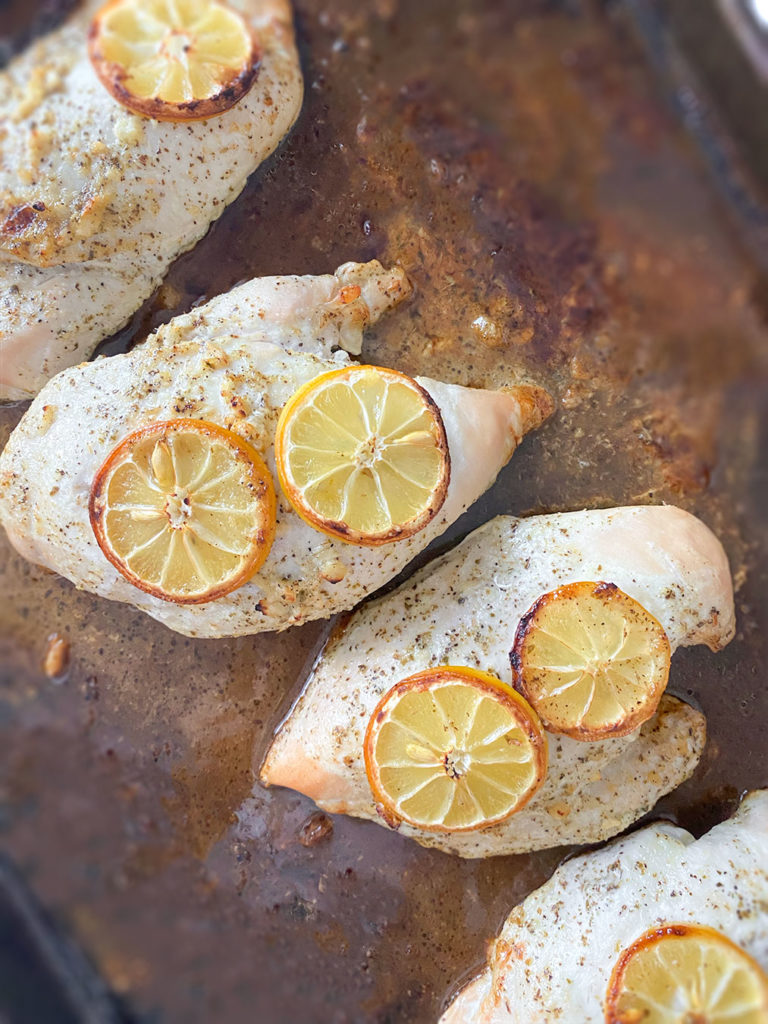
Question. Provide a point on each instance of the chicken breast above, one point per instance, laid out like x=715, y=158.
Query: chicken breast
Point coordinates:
x=554, y=956
x=240, y=380
x=463, y=609
x=95, y=202
x=304, y=314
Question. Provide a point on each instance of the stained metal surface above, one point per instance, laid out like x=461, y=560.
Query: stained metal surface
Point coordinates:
x=43, y=974
x=520, y=161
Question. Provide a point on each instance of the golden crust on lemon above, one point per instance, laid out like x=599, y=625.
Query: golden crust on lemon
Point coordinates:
x=591, y=661
x=173, y=60
x=453, y=749
x=686, y=974
x=185, y=510
x=362, y=455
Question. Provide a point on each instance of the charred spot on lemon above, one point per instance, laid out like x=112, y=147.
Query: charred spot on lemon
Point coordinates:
x=591, y=660
x=453, y=749
x=686, y=974
x=362, y=455
x=173, y=60
x=185, y=510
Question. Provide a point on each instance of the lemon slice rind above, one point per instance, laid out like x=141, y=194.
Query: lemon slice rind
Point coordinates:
x=470, y=759
x=173, y=60
x=591, y=660
x=675, y=964
x=185, y=510
x=362, y=455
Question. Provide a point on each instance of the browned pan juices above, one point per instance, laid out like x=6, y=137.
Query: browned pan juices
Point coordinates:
x=517, y=160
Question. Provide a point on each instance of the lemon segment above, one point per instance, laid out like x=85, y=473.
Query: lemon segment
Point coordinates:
x=453, y=749
x=362, y=455
x=185, y=510
x=591, y=660
x=173, y=59
x=686, y=974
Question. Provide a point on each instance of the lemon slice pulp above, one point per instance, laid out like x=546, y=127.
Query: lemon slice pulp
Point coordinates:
x=686, y=974
x=591, y=660
x=453, y=749
x=185, y=510
x=362, y=455
x=173, y=60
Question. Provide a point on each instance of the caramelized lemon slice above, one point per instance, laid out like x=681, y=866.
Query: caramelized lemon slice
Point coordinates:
x=591, y=660
x=686, y=974
x=362, y=455
x=453, y=749
x=173, y=60
x=185, y=510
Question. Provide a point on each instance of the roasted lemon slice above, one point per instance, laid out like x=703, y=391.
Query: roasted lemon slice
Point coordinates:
x=453, y=749
x=591, y=660
x=173, y=60
x=185, y=510
x=686, y=974
x=362, y=455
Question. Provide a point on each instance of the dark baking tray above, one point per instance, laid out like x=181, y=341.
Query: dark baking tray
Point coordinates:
x=574, y=170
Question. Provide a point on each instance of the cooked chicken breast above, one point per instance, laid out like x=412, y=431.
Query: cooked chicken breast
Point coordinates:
x=554, y=956
x=463, y=609
x=95, y=202
x=240, y=380
x=304, y=314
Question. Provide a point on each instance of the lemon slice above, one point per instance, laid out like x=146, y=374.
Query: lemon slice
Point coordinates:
x=185, y=510
x=591, y=660
x=173, y=60
x=453, y=749
x=362, y=455
x=686, y=974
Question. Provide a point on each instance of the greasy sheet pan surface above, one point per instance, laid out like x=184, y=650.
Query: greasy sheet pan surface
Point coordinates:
x=520, y=161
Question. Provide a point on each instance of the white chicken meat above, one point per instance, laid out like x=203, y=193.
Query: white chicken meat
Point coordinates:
x=240, y=379
x=554, y=956
x=95, y=201
x=463, y=609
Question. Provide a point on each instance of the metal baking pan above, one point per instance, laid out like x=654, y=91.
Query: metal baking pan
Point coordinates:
x=581, y=173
